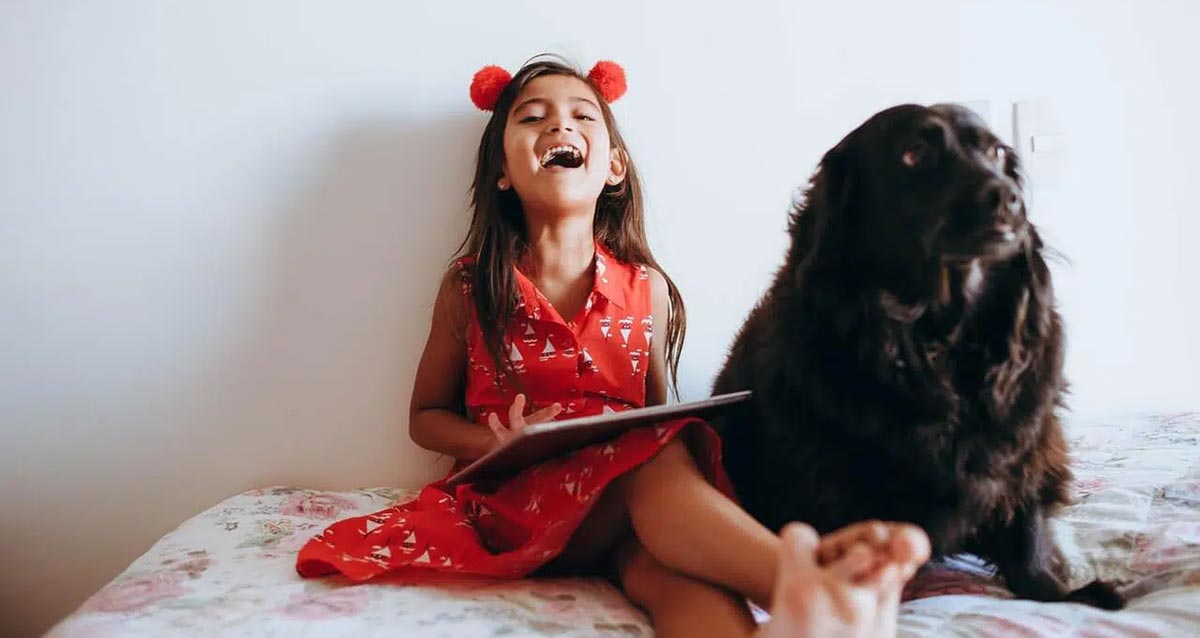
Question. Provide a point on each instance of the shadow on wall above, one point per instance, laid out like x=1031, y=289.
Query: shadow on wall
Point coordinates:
x=315, y=386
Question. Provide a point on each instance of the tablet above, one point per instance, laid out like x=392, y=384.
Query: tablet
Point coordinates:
x=555, y=438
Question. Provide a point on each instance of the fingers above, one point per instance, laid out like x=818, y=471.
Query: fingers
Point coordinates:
x=517, y=421
x=545, y=414
x=516, y=412
x=497, y=427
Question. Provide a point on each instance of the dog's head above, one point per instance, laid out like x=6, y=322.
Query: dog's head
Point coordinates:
x=914, y=189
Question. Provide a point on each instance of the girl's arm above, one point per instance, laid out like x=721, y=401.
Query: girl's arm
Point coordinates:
x=656, y=374
x=436, y=415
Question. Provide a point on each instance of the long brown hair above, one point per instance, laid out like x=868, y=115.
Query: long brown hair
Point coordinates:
x=497, y=239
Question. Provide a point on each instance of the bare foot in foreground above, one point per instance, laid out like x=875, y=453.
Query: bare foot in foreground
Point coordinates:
x=845, y=585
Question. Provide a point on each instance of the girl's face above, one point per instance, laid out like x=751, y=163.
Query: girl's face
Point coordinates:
x=557, y=153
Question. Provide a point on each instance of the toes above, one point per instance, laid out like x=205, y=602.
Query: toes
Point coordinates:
x=798, y=571
x=857, y=562
x=909, y=548
x=799, y=547
x=835, y=544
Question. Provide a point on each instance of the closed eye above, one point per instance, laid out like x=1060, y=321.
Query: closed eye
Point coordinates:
x=528, y=119
x=586, y=117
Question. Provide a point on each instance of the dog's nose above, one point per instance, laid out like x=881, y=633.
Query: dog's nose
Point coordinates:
x=1014, y=203
x=1003, y=199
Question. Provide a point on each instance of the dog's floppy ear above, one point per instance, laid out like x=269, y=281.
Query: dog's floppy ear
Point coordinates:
x=835, y=177
x=821, y=210
x=829, y=197
x=1033, y=325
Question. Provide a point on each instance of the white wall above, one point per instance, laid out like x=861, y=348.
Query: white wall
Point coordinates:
x=221, y=224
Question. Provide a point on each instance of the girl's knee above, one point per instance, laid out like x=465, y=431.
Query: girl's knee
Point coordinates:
x=645, y=580
x=675, y=454
x=665, y=593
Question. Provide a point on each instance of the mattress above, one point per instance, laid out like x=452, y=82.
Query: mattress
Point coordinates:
x=228, y=571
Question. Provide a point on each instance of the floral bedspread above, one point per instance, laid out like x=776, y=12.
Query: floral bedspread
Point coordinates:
x=229, y=570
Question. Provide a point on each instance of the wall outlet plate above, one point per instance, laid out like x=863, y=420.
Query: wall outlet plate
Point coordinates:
x=1039, y=141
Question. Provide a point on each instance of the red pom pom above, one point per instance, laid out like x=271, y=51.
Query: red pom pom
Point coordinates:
x=609, y=79
x=487, y=85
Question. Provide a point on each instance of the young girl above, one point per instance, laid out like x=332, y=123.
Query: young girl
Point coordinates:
x=556, y=310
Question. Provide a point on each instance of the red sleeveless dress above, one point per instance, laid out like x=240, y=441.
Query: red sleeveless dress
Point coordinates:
x=595, y=362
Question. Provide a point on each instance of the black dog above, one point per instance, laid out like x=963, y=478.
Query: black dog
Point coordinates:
x=907, y=360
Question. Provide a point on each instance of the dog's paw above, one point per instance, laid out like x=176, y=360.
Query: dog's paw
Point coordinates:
x=1098, y=594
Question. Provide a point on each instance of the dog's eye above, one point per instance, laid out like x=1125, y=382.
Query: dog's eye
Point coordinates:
x=998, y=153
x=915, y=154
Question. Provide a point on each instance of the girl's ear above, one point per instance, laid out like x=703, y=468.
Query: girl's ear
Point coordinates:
x=616, y=167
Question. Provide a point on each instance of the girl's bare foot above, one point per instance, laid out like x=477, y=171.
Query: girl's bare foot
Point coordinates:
x=846, y=585
x=901, y=543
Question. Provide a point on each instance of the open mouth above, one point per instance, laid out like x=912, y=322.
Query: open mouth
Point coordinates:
x=566, y=156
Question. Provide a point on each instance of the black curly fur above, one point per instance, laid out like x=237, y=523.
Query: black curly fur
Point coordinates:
x=903, y=368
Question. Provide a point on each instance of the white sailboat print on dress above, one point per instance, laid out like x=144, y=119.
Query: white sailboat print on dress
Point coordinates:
x=586, y=364
x=548, y=352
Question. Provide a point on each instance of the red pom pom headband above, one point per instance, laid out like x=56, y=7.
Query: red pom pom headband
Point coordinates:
x=608, y=78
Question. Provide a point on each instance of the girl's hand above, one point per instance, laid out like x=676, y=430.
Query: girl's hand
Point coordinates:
x=517, y=421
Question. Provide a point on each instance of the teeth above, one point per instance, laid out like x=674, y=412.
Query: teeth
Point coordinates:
x=555, y=150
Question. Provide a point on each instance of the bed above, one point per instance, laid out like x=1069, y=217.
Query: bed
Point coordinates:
x=229, y=570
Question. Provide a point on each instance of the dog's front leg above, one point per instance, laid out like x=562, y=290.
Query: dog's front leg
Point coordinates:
x=1025, y=553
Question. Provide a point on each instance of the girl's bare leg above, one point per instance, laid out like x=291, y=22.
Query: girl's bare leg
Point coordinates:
x=678, y=605
x=689, y=526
